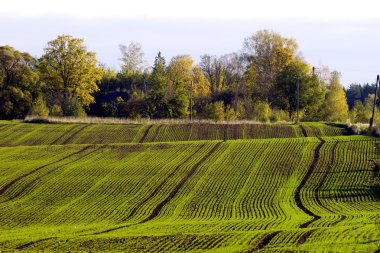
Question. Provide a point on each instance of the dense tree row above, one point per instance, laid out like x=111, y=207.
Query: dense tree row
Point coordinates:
x=262, y=81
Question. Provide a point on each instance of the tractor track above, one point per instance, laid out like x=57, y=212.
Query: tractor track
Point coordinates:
x=55, y=142
x=159, y=207
x=297, y=196
x=155, y=192
x=173, y=193
x=156, y=133
x=145, y=134
x=304, y=236
x=303, y=130
x=71, y=137
x=324, y=177
x=264, y=242
x=50, y=171
x=26, y=245
x=8, y=185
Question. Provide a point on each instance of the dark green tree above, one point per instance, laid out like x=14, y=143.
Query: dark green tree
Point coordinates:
x=158, y=78
x=18, y=82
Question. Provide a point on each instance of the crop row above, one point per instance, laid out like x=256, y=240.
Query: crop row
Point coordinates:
x=22, y=134
x=189, y=196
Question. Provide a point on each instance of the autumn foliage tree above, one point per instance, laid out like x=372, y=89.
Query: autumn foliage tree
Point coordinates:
x=68, y=67
x=335, y=105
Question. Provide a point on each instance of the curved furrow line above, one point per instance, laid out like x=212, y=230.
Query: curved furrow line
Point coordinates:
x=156, y=133
x=324, y=177
x=145, y=134
x=8, y=185
x=264, y=242
x=62, y=135
x=297, y=195
x=23, y=189
x=160, y=186
x=303, y=130
x=304, y=236
x=73, y=135
x=26, y=245
x=159, y=207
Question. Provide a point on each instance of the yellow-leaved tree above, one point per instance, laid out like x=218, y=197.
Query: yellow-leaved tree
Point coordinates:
x=67, y=66
x=335, y=106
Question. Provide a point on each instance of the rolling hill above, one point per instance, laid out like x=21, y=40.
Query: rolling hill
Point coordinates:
x=186, y=188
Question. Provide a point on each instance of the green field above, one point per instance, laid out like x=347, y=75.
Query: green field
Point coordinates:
x=186, y=188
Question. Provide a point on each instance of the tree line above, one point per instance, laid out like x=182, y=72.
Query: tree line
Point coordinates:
x=267, y=80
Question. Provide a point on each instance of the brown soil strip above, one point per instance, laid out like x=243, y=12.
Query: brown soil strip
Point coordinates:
x=264, y=242
x=304, y=237
x=2, y=190
x=159, y=207
x=297, y=196
x=26, y=245
x=154, y=193
x=75, y=134
x=342, y=218
x=324, y=177
x=156, y=133
x=145, y=134
x=63, y=135
x=303, y=130
x=50, y=171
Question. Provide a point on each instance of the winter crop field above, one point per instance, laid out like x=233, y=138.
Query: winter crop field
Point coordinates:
x=186, y=188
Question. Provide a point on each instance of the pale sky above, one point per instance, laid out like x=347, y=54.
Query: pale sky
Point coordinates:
x=343, y=35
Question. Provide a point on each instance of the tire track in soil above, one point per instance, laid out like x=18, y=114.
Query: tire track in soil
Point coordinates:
x=159, y=207
x=320, y=184
x=304, y=236
x=8, y=185
x=156, y=133
x=145, y=134
x=50, y=171
x=303, y=130
x=297, y=195
x=71, y=137
x=264, y=242
x=64, y=134
x=26, y=245
x=155, y=192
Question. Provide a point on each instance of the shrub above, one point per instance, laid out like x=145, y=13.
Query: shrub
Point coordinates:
x=56, y=110
x=230, y=114
x=215, y=111
x=39, y=107
x=279, y=115
x=262, y=111
x=71, y=106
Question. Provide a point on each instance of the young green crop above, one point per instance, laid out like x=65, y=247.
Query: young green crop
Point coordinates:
x=185, y=196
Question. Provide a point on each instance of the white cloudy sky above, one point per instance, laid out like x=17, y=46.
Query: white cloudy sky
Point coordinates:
x=343, y=35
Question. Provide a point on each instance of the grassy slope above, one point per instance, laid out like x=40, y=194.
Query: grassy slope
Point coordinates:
x=187, y=196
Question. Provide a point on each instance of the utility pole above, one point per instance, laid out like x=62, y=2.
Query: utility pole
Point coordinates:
x=191, y=101
x=298, y=100
x=374, y=104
